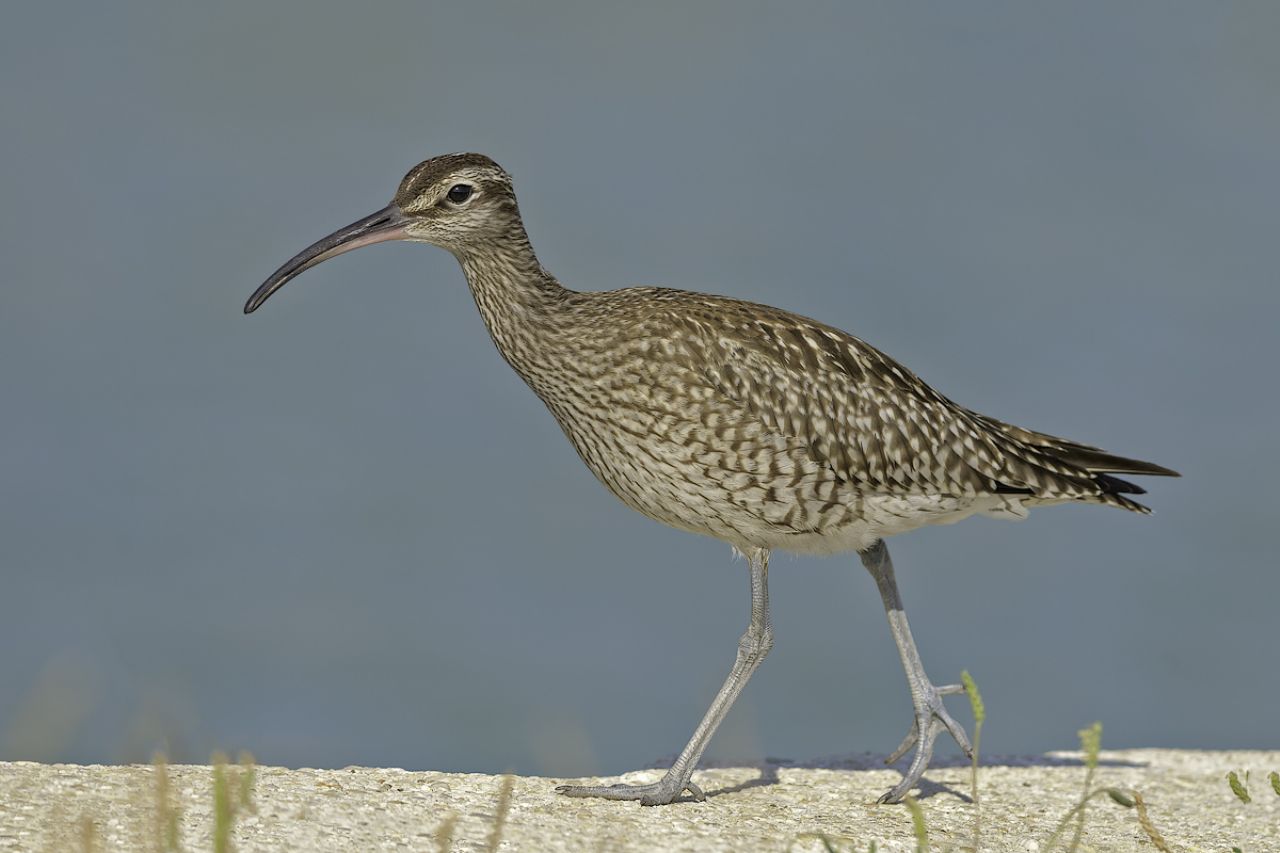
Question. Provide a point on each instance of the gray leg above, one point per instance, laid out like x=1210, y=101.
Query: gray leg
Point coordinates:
x=752, y=647
x=931, y=715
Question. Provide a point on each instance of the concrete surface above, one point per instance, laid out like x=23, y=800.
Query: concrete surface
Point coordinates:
x=775, y=806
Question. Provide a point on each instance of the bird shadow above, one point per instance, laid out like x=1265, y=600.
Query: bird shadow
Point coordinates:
x=769, y=768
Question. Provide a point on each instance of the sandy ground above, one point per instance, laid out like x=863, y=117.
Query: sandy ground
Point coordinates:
x=776, y=806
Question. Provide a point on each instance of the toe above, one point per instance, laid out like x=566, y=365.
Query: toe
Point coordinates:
x=657, y=794
x=907, y=742
x=894, y=795
x=957, y=731
x=605, y=792
x=931, y=719
x=572, y=790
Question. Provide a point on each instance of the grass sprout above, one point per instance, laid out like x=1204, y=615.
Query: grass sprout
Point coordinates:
x=1240, y=789
x=979, y=717
x=444, y=833
x=1091, y=744
x=1144, y=820
x=89, y=835
x=918, y=824
x=232, y=794
x=500, y=816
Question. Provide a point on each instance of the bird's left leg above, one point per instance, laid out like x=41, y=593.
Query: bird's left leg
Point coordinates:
x=752, y=647
x=931, y=715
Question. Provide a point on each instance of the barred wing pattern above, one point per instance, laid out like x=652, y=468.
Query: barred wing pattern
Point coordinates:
x=878, y=426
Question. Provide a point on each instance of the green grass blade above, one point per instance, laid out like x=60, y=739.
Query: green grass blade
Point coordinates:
x=979, y=717
x=918, y=824
x=1240, y=789
x=222, y=818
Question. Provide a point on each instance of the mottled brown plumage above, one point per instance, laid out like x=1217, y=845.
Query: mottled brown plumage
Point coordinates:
x=740, y=421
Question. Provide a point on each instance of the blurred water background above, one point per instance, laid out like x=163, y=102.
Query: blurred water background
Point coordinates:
x=342, y=532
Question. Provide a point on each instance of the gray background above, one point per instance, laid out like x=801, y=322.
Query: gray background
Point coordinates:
x=341, y=531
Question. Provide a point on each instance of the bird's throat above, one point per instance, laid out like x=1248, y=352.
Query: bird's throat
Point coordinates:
x=521, y=303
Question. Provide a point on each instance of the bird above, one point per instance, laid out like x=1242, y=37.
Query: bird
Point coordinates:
x=739, y=421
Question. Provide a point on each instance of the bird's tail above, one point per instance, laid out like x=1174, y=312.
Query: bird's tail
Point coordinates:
x=1095, y=463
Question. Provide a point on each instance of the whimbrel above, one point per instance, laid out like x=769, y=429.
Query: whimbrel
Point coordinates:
x=753, y=425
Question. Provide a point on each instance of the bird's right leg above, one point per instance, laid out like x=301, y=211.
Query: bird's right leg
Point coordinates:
x=752, y=647
x=931, y=715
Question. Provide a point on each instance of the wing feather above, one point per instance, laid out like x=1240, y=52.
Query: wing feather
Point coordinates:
x=878, y=426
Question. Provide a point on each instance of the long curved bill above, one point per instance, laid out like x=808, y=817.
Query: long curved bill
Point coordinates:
x=386, y=224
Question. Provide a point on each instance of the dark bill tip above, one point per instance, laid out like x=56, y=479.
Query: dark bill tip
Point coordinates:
x=386, y=224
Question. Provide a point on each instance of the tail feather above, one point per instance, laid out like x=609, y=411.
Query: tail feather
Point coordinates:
x=1120, y=501
x=1116, y=486
x=1093, y=463
x=1091, y=459
x=1085, y=456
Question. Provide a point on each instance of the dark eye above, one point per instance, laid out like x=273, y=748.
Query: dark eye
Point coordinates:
x=459, y=193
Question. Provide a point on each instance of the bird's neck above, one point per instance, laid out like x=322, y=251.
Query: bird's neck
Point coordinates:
x=521, y=303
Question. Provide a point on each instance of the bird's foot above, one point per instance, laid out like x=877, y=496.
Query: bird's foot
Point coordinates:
x=660, y=793
x=931, y=718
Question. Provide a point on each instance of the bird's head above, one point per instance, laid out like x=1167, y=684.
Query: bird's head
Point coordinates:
x=455, y=201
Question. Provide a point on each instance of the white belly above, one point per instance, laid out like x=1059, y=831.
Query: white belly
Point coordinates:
x=881, y=516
